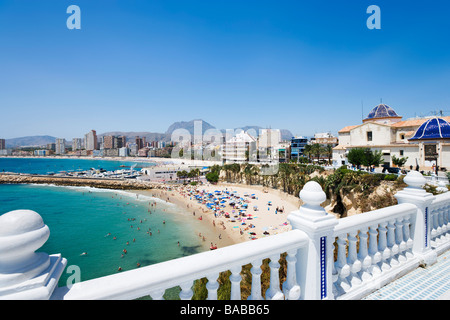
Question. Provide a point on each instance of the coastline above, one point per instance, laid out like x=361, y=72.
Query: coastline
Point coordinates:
x=265, y=220
x=218, y=230
x=149, y=160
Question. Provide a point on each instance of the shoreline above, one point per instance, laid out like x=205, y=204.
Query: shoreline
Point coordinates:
x=149, y=160
x=265, y=219
x=217, y=229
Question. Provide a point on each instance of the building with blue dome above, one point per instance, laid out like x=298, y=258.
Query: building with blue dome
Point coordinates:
x=425, y=142
x=432, y=129
x=383, y=114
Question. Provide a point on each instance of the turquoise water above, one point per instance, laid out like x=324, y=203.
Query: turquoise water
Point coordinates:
x=47, y=165
x=81, y=218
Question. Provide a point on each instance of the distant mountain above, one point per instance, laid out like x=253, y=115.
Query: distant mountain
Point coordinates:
x=30, y=141
x=189, y=126
x=149, y=136
x=285, y=134
x=33, y=141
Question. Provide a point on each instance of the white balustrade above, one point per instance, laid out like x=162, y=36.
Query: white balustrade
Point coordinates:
x=371, y=248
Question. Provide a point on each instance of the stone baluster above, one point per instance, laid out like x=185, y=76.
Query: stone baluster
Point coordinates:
x=352, y=259
x=383, y=248
x=440, y=222
x=363, y=256
x=212, y=285
x=447, y=221
x=393, y=261
x=401, y=243
x=274, y=292
x=157, y=294
x=434, y=224
x=314, y=267
x=24, y=273
x=291, y=289
x=186, y=290
x=235, y=279
x=335, y=278
x=256, y=280
x=375, y=255
x=416, y=195
x=341, y=265
x=407, y=236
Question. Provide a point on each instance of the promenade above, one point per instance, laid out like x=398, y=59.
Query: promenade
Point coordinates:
x=429, y=283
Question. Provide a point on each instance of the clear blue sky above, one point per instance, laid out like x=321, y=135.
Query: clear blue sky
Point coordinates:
x=306, y=66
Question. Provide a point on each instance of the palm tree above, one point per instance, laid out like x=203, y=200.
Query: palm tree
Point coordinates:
x=308, y=151
x=329, y=152
x=316, y=150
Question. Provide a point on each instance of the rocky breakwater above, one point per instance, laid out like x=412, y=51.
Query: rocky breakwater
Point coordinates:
x=129, y=184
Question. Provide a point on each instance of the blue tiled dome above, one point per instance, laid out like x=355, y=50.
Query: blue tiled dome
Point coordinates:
x=382, y=111
x=435, y=128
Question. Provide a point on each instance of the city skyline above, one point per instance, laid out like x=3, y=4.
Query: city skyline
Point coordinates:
x=304, y=67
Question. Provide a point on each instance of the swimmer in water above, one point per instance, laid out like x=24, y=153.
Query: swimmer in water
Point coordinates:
x=83, y=254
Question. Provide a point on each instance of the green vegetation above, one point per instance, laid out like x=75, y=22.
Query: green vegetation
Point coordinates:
x=365, y=157
x=399, y=162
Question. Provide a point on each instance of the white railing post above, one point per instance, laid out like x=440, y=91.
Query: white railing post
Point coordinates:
x=421, y=234
x=314, y=261
x=24, y=273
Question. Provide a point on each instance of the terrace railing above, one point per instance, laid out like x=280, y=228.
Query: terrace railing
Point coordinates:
x=326, y=257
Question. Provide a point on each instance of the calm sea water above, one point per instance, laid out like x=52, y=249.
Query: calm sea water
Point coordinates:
x=47, y=165
x=83, y=219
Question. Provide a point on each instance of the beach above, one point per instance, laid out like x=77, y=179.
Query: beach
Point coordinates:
x=217, y=228
x=269, y=218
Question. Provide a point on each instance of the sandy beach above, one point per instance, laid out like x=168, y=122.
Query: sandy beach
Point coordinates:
x=227, y=225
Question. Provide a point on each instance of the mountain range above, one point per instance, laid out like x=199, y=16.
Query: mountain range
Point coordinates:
x=33, y=141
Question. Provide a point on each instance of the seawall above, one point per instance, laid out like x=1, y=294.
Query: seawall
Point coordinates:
x=69, y=181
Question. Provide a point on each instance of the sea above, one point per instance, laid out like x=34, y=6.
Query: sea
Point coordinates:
x=101, y=230
x=53, y=166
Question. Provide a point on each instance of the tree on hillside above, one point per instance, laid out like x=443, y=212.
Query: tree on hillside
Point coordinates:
x=399, y=162
x=329, y=152
x=364, y=156
x=372, y=158
x=316, y=150
x=356, y=157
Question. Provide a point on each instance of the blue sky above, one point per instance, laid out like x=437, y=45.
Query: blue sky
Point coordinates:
x=307, y=66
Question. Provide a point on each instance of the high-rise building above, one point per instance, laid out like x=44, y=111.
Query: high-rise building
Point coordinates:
x=90, y=140
x=121, y=142
x=109, y=142
x=51, y=146
x=239, y=149
x=77, y=144
x=60, y=146
x=140, y=142
x=298, y=144
x=2, y=144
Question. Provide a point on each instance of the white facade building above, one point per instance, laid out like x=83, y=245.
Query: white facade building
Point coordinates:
x=239, y=149
x=60, y=146
x=383, y=130
x=90, y=140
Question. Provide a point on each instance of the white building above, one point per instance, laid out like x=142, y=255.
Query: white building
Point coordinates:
x=77, y=144
x=239, y=149
x=269, y=146
x=60, y=146
x=384, y=130
x=90, y=140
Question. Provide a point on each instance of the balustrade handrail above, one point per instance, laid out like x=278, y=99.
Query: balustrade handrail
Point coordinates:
x=140, y=282
x=440, y=198
x=374, y=217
